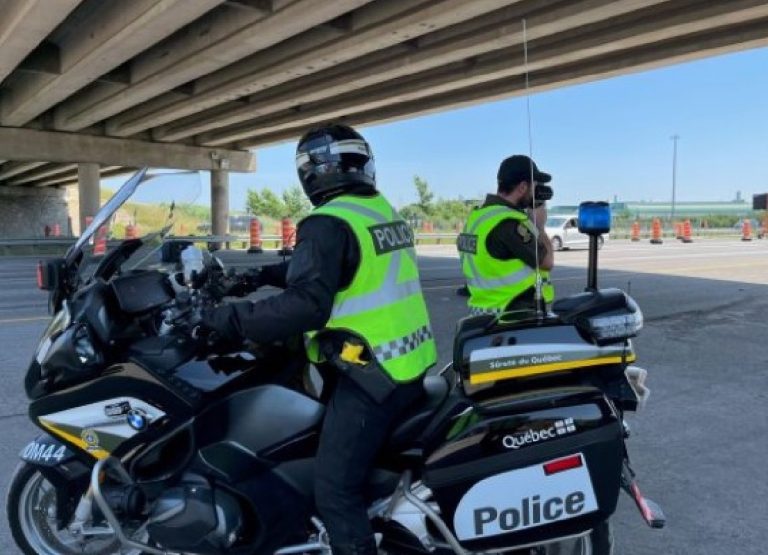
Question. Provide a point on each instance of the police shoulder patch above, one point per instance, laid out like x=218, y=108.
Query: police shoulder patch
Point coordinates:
x=524, y=232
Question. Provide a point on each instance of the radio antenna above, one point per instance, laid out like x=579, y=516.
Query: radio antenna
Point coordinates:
x=539, y=297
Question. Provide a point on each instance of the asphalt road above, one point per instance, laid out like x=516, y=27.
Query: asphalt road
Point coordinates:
x=700, y=446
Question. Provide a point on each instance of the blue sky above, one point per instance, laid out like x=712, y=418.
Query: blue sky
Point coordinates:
x=599, y=139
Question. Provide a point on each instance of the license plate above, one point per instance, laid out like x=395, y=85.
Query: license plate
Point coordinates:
x=526, y=498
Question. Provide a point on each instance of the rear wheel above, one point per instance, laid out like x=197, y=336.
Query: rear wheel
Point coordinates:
x=557, y=243
x=598, y=542
x=31, y=510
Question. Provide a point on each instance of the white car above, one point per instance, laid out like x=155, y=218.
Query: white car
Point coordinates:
x=563, y=231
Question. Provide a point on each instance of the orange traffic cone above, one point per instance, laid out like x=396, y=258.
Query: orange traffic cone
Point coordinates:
x=687, y=232
x=656, y=232
x=100, y=244
x=678, y=230
x=635, y=236
x=255, y=237
x=746, y=230
x=288, y=233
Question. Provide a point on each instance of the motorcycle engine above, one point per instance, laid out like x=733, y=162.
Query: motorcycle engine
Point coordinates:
x=193, y=516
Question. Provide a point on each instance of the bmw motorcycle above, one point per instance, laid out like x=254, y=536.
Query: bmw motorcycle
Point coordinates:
x=150, y=443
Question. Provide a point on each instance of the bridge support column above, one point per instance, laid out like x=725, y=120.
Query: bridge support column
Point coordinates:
x=89, y=189
x=219, y=204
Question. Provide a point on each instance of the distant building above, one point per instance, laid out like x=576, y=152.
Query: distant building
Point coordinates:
x=737, y=207
x=644, y=210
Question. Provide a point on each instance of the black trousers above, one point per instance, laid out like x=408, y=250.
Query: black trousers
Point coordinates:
x=354, y=432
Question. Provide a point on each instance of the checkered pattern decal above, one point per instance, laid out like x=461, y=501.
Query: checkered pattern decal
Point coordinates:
x=565, y=426
x=475, y=311
x=402, y=346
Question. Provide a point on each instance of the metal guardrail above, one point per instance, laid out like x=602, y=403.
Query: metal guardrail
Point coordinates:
x=244, y=240
x=52, y=241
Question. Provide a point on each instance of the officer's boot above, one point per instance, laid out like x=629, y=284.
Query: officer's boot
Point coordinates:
x=365, y=546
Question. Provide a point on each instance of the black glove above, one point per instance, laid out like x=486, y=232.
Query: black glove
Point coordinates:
x=235, y=285
x=219, y=331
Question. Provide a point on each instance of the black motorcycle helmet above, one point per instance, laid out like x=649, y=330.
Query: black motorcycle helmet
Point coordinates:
x=331, y=159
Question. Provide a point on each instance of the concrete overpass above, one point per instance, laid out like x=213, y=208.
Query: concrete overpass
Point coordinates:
x=91, y=87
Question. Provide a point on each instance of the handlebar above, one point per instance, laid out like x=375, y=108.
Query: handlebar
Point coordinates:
x=207, y=290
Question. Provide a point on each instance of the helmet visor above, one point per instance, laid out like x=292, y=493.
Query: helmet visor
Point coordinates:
x=320, y=156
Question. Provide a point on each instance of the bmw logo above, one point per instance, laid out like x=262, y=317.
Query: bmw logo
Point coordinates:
x=137, y=420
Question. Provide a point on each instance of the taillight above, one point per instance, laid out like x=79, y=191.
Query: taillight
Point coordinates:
x=561, y=465
x=40, y=275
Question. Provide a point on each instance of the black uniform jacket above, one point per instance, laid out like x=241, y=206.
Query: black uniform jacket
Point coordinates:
x=324, y=262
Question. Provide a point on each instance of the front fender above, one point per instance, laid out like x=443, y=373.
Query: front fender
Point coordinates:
x=46, y=451
x=60, y=466
x=55, y=461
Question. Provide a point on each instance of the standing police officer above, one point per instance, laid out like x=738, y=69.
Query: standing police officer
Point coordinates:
x=502, y=241
x=353, y=287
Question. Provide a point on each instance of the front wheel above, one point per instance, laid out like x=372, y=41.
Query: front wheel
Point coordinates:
x=31, y=510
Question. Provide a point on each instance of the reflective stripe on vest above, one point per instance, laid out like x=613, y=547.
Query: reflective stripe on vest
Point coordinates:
x=493, y=283
x=383, y=305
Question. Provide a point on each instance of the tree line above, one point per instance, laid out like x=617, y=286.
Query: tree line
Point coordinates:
x=293, y=203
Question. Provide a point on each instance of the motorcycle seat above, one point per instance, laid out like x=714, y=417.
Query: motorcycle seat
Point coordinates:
x=408, y=429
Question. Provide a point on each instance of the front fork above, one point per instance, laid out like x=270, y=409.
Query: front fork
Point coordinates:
x=81, y=524
x=83, y=513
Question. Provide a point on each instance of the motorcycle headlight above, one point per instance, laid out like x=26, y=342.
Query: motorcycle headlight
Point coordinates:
x=84, y=349
x=617, y=326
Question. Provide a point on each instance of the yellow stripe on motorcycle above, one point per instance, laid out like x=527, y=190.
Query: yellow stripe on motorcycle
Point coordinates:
x=96, y=452
x=525, y=371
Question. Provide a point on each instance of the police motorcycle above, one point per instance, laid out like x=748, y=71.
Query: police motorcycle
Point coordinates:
x=151, y=444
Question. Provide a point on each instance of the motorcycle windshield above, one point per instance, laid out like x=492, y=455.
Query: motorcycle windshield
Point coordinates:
x=106, y=212
x=150, y=206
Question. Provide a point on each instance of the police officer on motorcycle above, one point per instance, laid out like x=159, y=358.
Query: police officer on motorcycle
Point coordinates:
x=352, y=287
x=504, y=239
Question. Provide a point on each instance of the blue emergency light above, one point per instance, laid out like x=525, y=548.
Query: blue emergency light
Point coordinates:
x=594, y=218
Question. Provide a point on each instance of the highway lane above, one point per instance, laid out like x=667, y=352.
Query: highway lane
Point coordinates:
x=699, y=448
